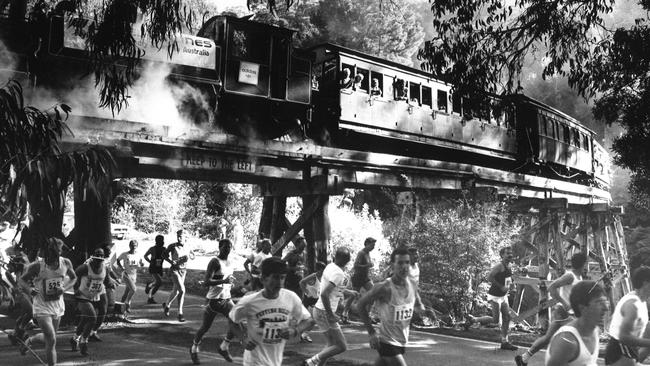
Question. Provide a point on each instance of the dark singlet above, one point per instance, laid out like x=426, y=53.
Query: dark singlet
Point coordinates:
x=157, y=257
x=501, y=280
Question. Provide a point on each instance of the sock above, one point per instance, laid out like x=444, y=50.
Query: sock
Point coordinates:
x=504, y=339
x=224, y=345
x=83, y=340
x=93, y=332
x=76, y=337
x=526, y=356
x=315, y=359
x=195, y=347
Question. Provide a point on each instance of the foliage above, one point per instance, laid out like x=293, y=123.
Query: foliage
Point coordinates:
x=34, y=170
x=458, y=241
x=389, y=30
x=638, y=246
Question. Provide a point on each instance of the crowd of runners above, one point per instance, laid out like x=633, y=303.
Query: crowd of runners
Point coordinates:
x=283, y=304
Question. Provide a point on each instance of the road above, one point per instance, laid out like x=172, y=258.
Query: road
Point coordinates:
x=151, y=338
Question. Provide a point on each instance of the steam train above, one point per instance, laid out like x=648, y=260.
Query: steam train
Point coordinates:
x=261, y=86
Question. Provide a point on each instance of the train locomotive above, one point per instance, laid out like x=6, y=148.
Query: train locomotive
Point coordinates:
x=261, y=87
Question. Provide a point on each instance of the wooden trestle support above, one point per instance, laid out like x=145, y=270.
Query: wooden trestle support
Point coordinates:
x=556, y=231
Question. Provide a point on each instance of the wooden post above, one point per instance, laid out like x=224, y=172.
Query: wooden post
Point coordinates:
x=308, y=229
x=322, y=229
x=278, y=222
x=542, y=239
x=266, y=218
x=92, y=220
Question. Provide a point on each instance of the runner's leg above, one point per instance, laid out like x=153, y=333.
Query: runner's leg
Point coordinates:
x=102, y=306
x=181, y=292
x=157, y=282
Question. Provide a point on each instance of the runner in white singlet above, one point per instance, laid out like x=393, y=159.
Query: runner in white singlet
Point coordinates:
x=576, y=343
x=629, y=322
x=50, y=277
x=395, y=300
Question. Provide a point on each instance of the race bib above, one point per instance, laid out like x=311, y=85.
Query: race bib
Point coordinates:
x=52, y=285
x=271, y=332
x=95, y=286
x=403, y=312
x=159, y=262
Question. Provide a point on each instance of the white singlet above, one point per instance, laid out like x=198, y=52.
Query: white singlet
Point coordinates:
x=639, y=323
x=396, y=314
x=221, y=291
x=584, y=357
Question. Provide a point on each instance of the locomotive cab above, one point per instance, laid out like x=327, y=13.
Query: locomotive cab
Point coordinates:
x=265, y=90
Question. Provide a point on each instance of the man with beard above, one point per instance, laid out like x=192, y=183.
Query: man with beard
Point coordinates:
x=272, y=316
x=51, y=277
x=498, y=298
x=219, y=278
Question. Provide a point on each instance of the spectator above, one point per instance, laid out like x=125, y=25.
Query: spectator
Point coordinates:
x=375, y=89
x=346, y=82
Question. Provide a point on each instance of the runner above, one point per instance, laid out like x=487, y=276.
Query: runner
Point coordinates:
x=252, y=263
x=219, y=278
x=395, y=300
x=498, y=298
x=269, y=315
x=295, y=266
x=561, y=315
x=106, y=296
x=23, y=302
x=361, y=276
x=576, y=343
x=310, y=287
x=155, y=257
x=51, y=277
x=176, y=254
x=92, y=277
x=629, y=322
x=129, y=262
x=333, y=287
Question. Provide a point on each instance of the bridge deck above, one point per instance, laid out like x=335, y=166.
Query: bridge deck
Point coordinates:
x=146, y=150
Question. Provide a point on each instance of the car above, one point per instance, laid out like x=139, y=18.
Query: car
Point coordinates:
x=119, y=231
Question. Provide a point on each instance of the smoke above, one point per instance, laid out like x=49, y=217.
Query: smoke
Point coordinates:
x=152, y=99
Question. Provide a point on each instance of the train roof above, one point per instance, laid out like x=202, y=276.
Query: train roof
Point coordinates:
x=349, y=51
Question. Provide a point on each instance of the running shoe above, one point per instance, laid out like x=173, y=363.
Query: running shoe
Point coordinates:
x=151, y=301
x=181, y=318
x=520, y=361
x=94, y=338
x=309, y=362
x=345, y=320
x=83, y=348
x=194, y=354
x=73, y=344
x=507, y=346
x=127, y=308
x=225, y=354
x=165, y=308
x=147, y=288
x=306, y=338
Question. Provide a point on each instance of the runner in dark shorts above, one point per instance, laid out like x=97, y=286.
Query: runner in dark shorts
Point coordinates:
x=155, y=256
x=361, y=276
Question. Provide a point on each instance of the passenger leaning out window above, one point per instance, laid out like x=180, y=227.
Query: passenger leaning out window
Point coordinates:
x=374, y=88
x=346, y=81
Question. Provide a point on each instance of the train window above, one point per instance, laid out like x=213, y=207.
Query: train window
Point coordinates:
x=400, y=90
x=567, y=135
x=414, y=90
x=426, y=96
x=346, y=79
x=556, y=131
x=585, y=142
x=316, y=76
x=576, y=137
x=550, y=128
x=249, y=45
x=542, y=125
x=388, y=86
x=299, y=82
x=456, y=105
x=442, y=101
x=361, y=80
x=376, y=84
x=279, y=67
